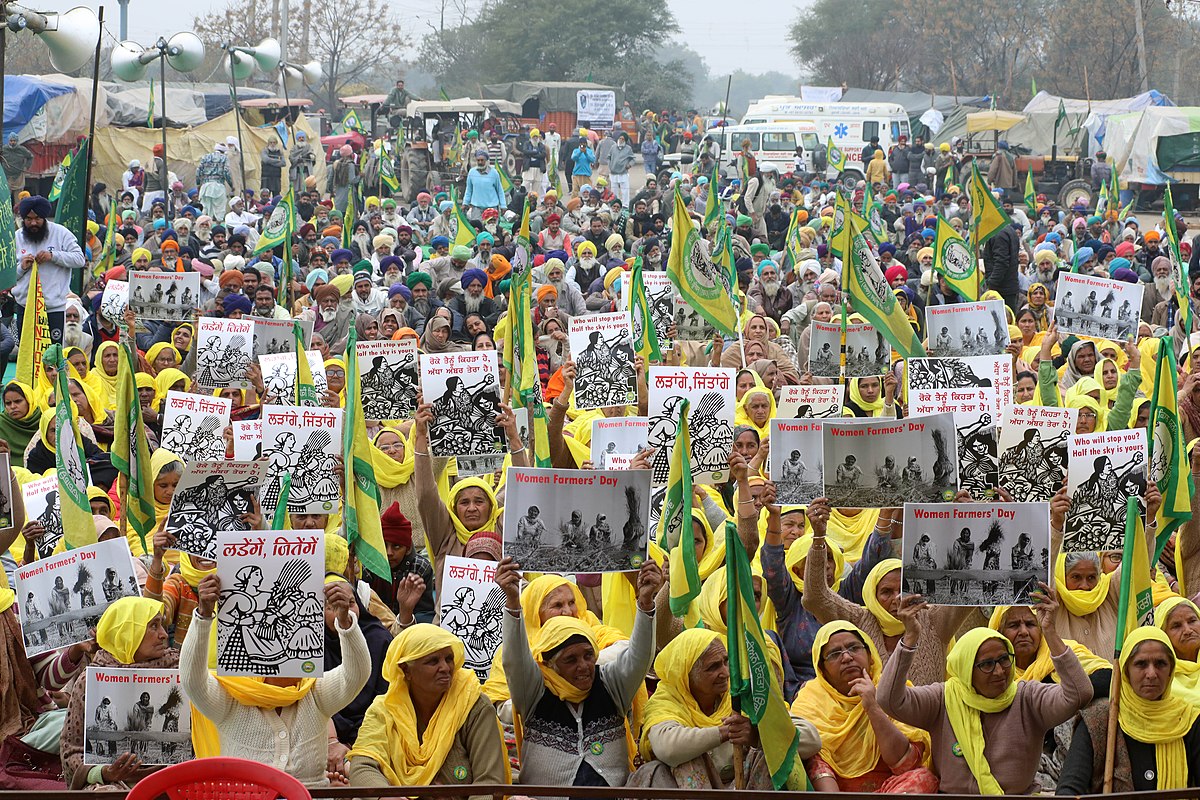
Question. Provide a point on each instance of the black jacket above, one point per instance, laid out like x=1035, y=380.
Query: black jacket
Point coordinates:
x=1000, y=260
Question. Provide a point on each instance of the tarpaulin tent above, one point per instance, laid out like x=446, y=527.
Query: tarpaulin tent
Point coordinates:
x=50, y=108
x=1092, y=113
x=1143, y=146
x=917, y=104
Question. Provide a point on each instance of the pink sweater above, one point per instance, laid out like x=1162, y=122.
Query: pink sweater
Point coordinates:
x=1013, y=737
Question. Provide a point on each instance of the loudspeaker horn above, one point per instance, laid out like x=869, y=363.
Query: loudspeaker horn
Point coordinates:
x=267, y=54
x=243, y=65
x=297, y=77
x=185, y=51
x=126, y=63
x=73, y=42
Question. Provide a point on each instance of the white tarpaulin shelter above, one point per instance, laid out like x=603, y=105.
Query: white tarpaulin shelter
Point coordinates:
x=1094, y=113
x=1133, y=139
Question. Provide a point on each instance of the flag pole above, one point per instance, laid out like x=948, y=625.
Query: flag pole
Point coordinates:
x=1110, y=746
x=739, y=755
x=76, y=274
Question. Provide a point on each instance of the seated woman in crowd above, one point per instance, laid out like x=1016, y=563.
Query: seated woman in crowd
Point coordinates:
x=574, y=713
x=1179, y=618
x=691, y=729
x=281, y=722
x=433, y=726
x=1158, y=740
x=1031, y=652
x=862, y=749
x=130, y=633
x=986, y=729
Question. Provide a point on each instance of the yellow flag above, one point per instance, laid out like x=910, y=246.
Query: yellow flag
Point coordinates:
x=35, y=330
x=702, y=283
x=953, y=259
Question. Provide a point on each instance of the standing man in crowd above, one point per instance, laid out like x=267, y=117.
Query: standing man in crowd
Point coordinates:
x=56, y=252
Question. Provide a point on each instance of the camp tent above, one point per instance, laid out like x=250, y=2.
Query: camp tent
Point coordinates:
x=1147, y=145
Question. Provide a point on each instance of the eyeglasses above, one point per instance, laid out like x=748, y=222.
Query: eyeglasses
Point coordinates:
x=989, y=666
x=1088, y=415
x=836, y=655
x=337, y=373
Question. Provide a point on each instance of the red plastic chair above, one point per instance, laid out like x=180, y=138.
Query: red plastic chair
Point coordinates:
x=219, y=779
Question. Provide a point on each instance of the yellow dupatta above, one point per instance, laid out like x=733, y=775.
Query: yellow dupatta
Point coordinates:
x=874, y=409
x=848, y=742
x=715, y=592
x=102, y=381
x=1077, y=601
x=964, y=705
x=390, y=473
x=464, y=534
x=741, y=414
x=673, y=700
x=1186, y=679
x=389, y=735
x=122, y=626
x=888, y=623
x=794, y=561
x=1042, y=665
x=1163, y=722
x=555, y=632
x=165, y=380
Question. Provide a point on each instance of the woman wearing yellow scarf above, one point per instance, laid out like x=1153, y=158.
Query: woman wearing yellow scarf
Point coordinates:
x=162, y=356
x=1179, y=618
x=1031, y=652
x=755, y=409
x=103, y=376
x=871, y=397
x=392, y=452
x=471, y=507
x=862, y=749
x=130, y=634
x=785, y=573
x=573, y=712
x=1158, y=748
x=875, y=619
x=434, y=726
x=986, y=729
x=690, y=731
x=292, y=714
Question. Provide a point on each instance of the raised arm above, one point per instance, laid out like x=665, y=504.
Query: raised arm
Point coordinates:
x=915, y=705
x=818, y=599
x=630, y=668
x=1055, y=703
x=434, y=513
x=525, y=682
x=202, y=688
x=335, y=689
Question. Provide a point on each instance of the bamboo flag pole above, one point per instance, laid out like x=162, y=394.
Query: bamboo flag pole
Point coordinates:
x=1110, y=747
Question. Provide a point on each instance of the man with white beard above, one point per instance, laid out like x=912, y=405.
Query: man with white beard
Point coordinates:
x=570, y=299
x=73, y=335
x=330, y=317
x=587, y=269
x=368, y=298
x=472, y=300
x=769, y=293
x=422, y=304
x=1160, y=290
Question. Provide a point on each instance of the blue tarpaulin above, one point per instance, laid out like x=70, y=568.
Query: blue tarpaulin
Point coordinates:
x=24, y=96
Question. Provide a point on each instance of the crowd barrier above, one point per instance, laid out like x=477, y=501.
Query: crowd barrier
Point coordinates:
x=588, y=793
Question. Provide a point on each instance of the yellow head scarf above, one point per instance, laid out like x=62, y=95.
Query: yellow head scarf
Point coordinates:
x=157, y=349
x=1187, y=673
x=716, y=591
x=48, y=416
x=964, y=705
x=874, y=409
x=1042, y=665
x=714, y=549
x=890, y=625
x=555, y=632
x=122, y=627
x=673, y=700
x=1107, y=396
x=100, y=379
x=1077, y=601
x=1163, y=722
x=191, y=573
x=337, y=554
x=389, y=730
x=389, y=472
x=1087, y=401
x=794, y=561
x=489, y=524
x=145, y=380
x=96, y=493
x=742, y=413
x=848, y=742
x=95, y=401
x=165, y=380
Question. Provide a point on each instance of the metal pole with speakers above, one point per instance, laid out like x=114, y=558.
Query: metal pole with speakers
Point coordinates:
x=184, y=52
x=294, y=77
x=240, y=66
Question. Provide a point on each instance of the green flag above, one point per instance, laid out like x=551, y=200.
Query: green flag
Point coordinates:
x=387, y=171
x=871, y=296
x=348, y=222
x=1030, y=196
x=280, y=227
x=712, y=203
x=752, y=678
x=837, y=232
x=1170, y=469
x=791, y=246
x=103, y=261
x=8, y=241
x=506, y=184
x=464, y=233
x=987, y=215
x=1135, y=606
x=362, y=511
x=350, y=121
x=59, y=176
x=872, y=211
x=131, y=450
x=306, y=389
x=953, y=259
x=71, y=212
x=645, y=337
x=70, y=462
x=704, y=286
x=835, y=156
x=675, y=523
x=1062, y=115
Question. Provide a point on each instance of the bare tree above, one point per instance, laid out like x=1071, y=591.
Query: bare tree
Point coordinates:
x=352, y=38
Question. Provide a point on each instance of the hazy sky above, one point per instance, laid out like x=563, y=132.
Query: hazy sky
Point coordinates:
x=753, y=38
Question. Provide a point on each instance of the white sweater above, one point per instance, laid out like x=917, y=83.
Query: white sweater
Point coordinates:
x=293, y=739
x=55, y=274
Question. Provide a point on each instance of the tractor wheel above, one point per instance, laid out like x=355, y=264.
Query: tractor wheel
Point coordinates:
x=416, y=164
x=1074, y=192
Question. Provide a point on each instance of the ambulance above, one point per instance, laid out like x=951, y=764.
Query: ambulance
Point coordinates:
x=850, y=125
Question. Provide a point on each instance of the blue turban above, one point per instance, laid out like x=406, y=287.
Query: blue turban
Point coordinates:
x=1083, y=255
x=1116, y=264
x=928, y=233
x=887, y=247
x=766, y=262
x=388, y=261
x=562, y=256
x=445, y=206
x=314, y=276
x=341, y=254
x=36, y=204
x=439, y=241
x=1053, y=237
x=474, y=274
x=484, y=236
x=400, y=289
x=237, y=302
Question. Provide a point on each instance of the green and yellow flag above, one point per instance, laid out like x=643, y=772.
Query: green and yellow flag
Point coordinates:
x=306, y=388
x=464, y=234
x=712, y=203
x=280, y=227
x=35, y=330
x=131, y=450
x=387, y=170
x=645, y=337
x=1136, y=607
x=506, y=184
x=59, y=177
x=523, y=378
x=1030, y=195
x=835, y=156
x=700, y=281
x=752, y=678
x=838, y=233
x=350, y=121
x=8, y=240
x=675, y=523
x=348, y=222
x=791, y=245
x=953, y=259
x=870, y=295
x=987, y=216
x=70, y=462
x=361, y=513
x=873, y=214
x=1181, y=288
x=1168, y=458
x=71, y=211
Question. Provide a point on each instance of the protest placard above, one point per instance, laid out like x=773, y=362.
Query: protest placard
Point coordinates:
x=1103, y=471
x=194, y=426
x=139, y=711
x=711, y=392
x=464, y=389
x=884, y=464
